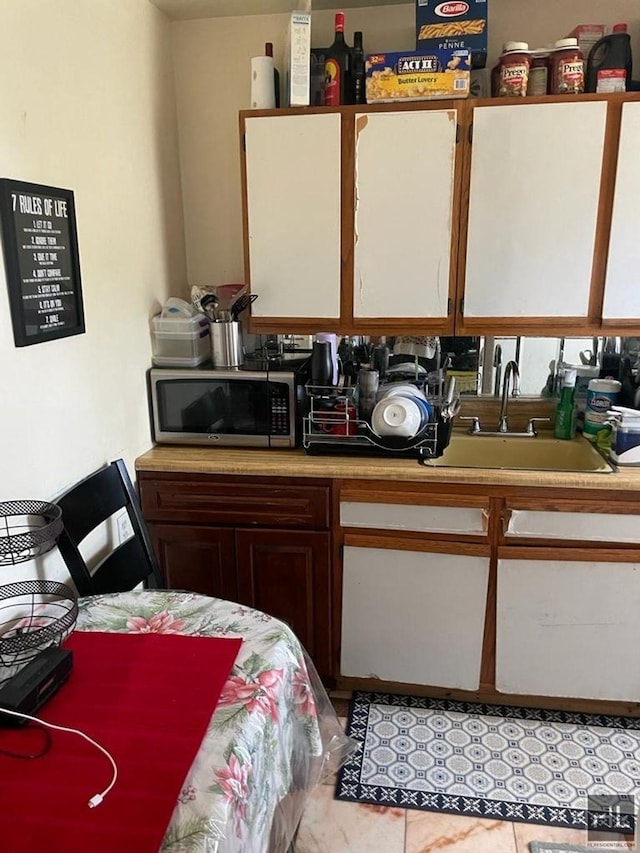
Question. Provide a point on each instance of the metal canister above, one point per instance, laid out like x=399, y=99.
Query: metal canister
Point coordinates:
x=226, y=344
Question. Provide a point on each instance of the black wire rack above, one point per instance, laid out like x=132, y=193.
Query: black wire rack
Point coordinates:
x=34, y=614
x=27, y=529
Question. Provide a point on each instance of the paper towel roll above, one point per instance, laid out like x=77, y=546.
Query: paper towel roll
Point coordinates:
x=263, y=93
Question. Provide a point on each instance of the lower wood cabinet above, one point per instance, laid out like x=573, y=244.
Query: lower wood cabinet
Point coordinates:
x=263, y=542
x=567, y=623
x=287, y=574
x=414, y=616
x=197, y=558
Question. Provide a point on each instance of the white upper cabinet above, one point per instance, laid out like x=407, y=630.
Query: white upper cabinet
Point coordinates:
x=622, y=290
x=404, y=192
x=293, y=188
x=534, y=193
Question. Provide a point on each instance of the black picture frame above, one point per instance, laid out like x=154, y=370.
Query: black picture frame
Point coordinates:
x=42, y=263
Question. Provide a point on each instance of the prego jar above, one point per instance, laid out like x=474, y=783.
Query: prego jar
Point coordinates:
x=515, y=62
x=567, y=68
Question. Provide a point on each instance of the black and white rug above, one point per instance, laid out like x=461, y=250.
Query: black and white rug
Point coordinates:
x=495, y=761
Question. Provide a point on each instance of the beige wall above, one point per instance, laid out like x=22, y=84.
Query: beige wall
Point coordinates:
x=212, y=82
x=88, y=104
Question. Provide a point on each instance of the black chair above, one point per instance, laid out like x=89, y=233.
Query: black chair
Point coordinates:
x=86, y=507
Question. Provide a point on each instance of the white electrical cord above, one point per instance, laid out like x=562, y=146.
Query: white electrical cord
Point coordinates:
x=97, y=798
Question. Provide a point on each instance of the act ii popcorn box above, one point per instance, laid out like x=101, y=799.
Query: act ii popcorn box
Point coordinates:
x=453, y=25
x=417, y=75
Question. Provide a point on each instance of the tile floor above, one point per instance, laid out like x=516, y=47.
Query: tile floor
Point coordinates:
x=332, y=826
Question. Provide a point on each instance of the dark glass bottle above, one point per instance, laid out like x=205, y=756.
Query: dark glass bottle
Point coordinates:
x=268, y=51
x=336, y=68
x=358, y=95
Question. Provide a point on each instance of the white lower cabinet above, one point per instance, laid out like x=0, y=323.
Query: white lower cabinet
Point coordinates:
x=414, y=616
x=569, y=627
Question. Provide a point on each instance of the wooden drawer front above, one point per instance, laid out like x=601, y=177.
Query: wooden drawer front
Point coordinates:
x=420, y=518
x=580, y=526
x=235, y=503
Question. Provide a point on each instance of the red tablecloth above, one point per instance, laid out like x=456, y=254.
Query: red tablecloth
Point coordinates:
x=148, y=699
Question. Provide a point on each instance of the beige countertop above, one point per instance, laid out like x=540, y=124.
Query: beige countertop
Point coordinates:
x=296, y=463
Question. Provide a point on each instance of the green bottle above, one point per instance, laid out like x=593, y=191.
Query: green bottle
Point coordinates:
x=565, y=423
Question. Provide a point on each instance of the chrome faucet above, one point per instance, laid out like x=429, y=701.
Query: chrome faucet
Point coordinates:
x=511, y=378
x=512, y=373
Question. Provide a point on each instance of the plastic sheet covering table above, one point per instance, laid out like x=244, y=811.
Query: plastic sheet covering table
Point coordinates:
x=273, y=737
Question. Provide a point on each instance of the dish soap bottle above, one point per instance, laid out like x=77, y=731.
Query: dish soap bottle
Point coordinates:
x=565, y=423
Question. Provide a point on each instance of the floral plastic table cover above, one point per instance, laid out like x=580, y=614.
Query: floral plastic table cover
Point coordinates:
x=273, y=736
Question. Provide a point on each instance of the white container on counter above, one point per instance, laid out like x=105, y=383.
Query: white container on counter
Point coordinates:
x=179, y=341
x=602, y=394
x=625, y=436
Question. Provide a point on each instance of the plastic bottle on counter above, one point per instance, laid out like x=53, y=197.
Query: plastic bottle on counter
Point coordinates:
x=609, y=62
x=567, y=68
x=565, y=422
x=515, y=62
x=602, y=394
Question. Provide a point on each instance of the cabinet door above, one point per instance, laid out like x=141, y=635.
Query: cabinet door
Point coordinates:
x=534, y=194
x=622, y=294
x=198, y=559
x=567, y=624
x=293, y=215
x=415, y=617
x=285, y=573
x=404, y=197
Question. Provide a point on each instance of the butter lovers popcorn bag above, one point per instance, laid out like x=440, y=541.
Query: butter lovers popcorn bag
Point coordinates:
x=417, y=76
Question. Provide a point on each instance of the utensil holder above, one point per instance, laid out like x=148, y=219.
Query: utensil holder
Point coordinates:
x=226, y=344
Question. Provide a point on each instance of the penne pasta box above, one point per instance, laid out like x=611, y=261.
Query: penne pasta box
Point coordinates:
x=453, y=25
x=417, y=76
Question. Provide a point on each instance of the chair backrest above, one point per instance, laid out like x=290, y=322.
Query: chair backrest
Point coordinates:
x=87, y=506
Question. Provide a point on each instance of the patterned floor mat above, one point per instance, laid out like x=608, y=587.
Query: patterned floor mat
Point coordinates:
x=520, y=764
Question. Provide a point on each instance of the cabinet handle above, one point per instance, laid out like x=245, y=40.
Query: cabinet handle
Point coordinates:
x=506, y=518
x=470, y=134
x=485, y=520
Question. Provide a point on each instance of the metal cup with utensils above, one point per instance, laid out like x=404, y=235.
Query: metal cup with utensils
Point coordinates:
x=226, y=344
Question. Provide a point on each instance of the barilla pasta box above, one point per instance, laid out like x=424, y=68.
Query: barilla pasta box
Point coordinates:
x=453, y=25
x=417, y=76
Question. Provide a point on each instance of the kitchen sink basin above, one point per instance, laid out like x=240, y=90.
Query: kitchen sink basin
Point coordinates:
x=538, y=453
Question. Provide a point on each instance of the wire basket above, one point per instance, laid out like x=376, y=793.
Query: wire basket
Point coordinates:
x=332, y=425
x=27, y=529
x=34, y=615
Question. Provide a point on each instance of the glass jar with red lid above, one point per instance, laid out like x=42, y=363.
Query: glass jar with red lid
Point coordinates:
x=515, y=62
x=567, y=68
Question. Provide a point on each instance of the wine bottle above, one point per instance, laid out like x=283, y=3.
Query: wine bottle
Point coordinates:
x=358, y=95
x=336, y=67
x=268, y=51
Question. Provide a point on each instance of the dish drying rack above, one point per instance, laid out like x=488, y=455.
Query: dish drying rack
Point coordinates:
x=331, y=426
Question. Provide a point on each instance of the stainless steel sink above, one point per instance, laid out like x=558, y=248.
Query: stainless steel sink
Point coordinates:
x=538, y=453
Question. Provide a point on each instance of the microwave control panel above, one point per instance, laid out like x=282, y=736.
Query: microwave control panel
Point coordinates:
x=280, y=409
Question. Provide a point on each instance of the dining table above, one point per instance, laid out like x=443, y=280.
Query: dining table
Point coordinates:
x=272, y=738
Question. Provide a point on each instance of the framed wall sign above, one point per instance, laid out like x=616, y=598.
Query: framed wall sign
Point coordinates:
x=42, y=264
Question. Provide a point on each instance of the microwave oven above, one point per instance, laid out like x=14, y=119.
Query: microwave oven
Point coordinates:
x=224, y=408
